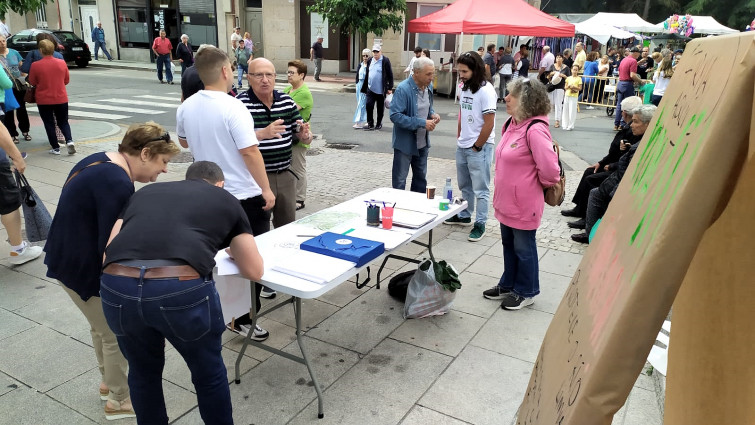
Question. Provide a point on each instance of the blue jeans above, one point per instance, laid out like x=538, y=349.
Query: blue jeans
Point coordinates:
x=401, y=164
x=101, y=45
x=241, y=70
x=520, y=262
x=143, y=313
x=473, y=174
x=624, y=90
x=164, y=61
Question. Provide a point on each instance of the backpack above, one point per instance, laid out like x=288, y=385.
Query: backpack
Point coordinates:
x=553, y=195
x=398, y=285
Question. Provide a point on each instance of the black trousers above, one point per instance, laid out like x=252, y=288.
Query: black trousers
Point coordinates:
x=373, y=98
x=23, y=116
x=260, y=221
x=588, y=182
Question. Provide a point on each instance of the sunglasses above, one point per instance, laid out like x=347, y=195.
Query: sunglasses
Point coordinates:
x=365, y=56
x=165, y=137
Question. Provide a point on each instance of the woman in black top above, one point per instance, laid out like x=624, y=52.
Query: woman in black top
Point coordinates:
x=93, y=195
x=557, y=74
x=184, y=53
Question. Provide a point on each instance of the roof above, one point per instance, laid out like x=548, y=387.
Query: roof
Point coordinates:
x=626, y=21
x=705, y=25
x=509, y=17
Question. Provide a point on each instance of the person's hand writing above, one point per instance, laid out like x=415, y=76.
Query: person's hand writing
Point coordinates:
x=274, y=130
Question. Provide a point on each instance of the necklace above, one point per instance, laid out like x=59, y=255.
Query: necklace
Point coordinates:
x=128, y=166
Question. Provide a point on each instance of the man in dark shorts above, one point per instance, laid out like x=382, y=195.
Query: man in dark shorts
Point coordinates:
x=160, y=287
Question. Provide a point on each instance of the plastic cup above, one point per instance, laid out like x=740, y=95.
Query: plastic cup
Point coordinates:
x=430, y=192
x=387, y=213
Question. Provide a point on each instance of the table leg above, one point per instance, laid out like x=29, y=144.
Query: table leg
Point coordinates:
x=253, y=315
x=428, y=245
x=297, y=313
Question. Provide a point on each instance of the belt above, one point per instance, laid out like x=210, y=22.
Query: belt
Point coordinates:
x=279, y=171
x=167, y=272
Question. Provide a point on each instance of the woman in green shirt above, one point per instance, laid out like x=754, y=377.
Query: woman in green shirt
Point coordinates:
x=299, y=92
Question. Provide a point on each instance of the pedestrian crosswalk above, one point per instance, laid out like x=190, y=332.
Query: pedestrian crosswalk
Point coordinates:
x=122, y=108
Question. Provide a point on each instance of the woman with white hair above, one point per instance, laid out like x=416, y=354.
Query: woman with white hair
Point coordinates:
x=360, y=115
x=184, y=53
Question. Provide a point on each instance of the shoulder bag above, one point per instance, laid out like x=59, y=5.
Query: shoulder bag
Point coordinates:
x=553, y=195
x=36, y=217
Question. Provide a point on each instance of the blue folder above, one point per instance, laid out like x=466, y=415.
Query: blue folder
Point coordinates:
x=345, y=247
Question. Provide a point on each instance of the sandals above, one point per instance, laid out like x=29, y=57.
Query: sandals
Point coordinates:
x=27, y=137
x=558, y=124
x=299, y=205
x=15, y=140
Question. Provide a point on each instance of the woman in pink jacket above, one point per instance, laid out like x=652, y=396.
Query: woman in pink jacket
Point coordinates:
x=525, y=163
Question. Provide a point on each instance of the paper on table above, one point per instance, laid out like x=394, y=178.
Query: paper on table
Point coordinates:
x=226, y=265
x=411, y=218
x=390, y=238
x=314, y=267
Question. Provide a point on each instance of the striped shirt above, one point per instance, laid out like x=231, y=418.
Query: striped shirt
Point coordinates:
x=275, y=152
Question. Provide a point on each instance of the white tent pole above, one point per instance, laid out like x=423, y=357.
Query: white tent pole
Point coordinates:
x=456, y=63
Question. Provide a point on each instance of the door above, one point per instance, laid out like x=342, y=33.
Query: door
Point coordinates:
x=89, y=18
x=254, y=27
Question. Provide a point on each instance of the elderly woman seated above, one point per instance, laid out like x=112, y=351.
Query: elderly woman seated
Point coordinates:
x=597, y=203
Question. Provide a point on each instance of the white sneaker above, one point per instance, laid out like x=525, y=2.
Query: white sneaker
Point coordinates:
x=267, y=292
x=71, y=148
x=55, y=151
x=27, y=254
x=590, y=108
x=258, y=335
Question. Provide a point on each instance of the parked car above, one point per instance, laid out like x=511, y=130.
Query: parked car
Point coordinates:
x=70, y=45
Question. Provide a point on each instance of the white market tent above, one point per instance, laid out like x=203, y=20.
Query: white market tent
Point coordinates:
x=601, y=32
x=705, y=25
x=626, y=21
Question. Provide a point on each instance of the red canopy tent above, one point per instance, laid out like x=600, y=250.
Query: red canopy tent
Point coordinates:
x=505, y=17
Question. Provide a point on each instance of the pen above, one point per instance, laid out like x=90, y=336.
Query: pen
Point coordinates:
x=306, y=236
x=347, y=232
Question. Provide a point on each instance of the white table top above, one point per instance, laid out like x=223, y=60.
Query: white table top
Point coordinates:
x=282, y=245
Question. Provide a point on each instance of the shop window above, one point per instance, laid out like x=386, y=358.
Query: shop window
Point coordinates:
x=133, y=26
x=432, y=42
x=253, y=3
x=41, y=17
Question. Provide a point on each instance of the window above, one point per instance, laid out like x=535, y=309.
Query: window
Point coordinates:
x=432, y=42
x=133, y=26
x=41, y=17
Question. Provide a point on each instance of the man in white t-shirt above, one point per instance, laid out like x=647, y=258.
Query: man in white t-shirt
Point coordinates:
x=218, y=128
x=546, y=62
x=474, y=144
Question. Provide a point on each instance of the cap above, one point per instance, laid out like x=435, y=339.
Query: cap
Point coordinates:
x=634, y=49
x=319, y=37
x=376, y=48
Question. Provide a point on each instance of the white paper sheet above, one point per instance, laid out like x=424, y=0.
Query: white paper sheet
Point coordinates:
x=391, y=238
x=226, y=265
x=314, y=267
x=235, y=296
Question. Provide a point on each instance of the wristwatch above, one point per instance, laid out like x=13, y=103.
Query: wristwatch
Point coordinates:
x=476, y=148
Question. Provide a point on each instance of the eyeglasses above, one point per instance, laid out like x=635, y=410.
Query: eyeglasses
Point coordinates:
x=165, y=137
x=291, y=72
x=365, y=56
x=260, y=75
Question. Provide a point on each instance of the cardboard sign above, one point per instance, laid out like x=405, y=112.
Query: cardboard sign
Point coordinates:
x=682, y=178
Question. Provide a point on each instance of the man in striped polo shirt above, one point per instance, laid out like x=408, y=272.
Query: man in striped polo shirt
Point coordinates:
x=275, y=120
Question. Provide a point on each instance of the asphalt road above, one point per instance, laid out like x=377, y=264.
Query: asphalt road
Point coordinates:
x=127, y=96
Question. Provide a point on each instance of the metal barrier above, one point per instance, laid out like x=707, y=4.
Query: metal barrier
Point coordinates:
x=601, y=92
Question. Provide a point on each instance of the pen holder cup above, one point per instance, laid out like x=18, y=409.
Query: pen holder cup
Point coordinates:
x=373, y=216
x=387, y=216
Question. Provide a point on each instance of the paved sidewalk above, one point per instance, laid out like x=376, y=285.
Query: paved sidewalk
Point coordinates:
x=470, y=366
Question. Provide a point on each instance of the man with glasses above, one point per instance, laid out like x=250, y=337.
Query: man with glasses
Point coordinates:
x=217, y=127
x=378, y=82
x=277, y=122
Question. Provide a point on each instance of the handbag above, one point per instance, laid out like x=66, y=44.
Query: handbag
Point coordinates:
x=553, y=195
x=31, y=95
x=11, y=103
x=36, y=217
x=18, y=85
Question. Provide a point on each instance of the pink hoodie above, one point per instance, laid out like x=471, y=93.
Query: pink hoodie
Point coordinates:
x=522, y=169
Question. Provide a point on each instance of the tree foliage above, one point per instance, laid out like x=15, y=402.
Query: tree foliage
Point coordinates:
x=362, y=16
x=20, y=6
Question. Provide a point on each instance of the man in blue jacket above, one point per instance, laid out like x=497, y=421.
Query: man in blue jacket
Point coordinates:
x=413, y=119
x=98, y=37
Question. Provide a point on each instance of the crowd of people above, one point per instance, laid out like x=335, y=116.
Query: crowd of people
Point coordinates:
x=250, y=171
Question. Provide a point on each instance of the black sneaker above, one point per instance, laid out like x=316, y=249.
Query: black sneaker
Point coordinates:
x=458, y=221
x=514, y=302
x=495, y=293
x=259, y=334
x=581, y=238
x=368, y=127
x=571, y=213
x=579, y=224
x=379, y=126
x=267, y=292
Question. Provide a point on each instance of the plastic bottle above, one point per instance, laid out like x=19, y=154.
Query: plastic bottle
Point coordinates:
x=448, y=190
